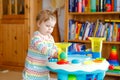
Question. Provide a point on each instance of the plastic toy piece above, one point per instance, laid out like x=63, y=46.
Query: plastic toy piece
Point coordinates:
x=88, y=62
x=96, y=46
x=62, y=52
x=111, y=67
x=75, y=61
x=99, y=60
x=113, y=58
x=117, y=67
x=72, y=77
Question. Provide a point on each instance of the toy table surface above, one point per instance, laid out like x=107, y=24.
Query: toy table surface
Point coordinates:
x=85, y=67
x=78, y=67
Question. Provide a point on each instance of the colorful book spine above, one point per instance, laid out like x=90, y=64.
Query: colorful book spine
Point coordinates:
x=93, y=5
x=83, y=5
x=99, y=30
x=104, y=5
x=81, y=31
x=102, y=31
x=115, y=5
x=86, y=6
x=118, y=34
x=72, y=29
x=108, y=6
x=79, y=6
x=115, y=32
x=71, y=6
x=78, y=27
x=86, y=31
x=96, y=28
x=108, y=33
x=90, y=30
x=111, y=31
x=112, y=3
x=118, y=5
x=101, y=8
x=76, y=5
x=97, y=5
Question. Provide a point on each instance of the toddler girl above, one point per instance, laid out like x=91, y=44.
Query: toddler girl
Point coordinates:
x=41, y=48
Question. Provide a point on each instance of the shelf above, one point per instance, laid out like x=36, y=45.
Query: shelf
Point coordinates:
x=87, y=41
x=90, y=13
x=112, y=74
x=82, y=41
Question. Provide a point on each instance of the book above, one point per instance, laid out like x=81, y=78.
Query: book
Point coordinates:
x=91, y=30
x=79, y=6
x=106, y=31
x=111, y=31
x=103, y=30
x=99, y=29
x=118, y=33
x=86, y=6
x=118, y=5
x=96, y=27
x=85, y=36
x=71, y=5
x=84, y=29
x=115, y=5
x=112, y=3
x=72, y=29
x=81, y=31
x=76, y=47
x=87, y=2
x=115, y=29
x=83, y=5
x=97, y=5
x=101, y=5
x=93, y=5
x=78, y=27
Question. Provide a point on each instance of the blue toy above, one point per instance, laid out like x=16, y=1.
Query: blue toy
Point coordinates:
x=78, y=66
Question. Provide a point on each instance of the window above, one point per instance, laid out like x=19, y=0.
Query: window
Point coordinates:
x=13, y=7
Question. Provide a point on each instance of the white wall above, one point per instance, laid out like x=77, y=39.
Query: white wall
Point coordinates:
x=46, y=5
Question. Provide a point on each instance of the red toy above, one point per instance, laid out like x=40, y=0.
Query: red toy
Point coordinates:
x=113, y=58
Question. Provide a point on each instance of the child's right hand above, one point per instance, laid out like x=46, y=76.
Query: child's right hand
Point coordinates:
x=44, y=50
x=55, y=55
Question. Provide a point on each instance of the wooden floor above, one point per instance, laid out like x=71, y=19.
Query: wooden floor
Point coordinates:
x=10, y=75
x=16, y=75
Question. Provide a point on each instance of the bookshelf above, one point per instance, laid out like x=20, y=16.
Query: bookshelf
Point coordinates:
x=92, y=17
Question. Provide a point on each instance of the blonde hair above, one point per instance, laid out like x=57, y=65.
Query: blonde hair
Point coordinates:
x=45, y=15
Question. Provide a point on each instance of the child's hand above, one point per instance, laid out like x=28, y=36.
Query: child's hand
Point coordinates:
x=55, y=55
x=44, y=50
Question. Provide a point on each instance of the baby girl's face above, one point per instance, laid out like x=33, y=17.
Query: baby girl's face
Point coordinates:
x=46, y=27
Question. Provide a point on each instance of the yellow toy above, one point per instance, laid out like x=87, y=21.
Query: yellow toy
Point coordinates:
x=62, y=52
x=96, y=43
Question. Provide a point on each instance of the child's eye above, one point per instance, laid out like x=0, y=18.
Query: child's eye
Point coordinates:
x=52, y=26
x=48, y=25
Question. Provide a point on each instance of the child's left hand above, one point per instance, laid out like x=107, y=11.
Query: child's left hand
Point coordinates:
x=55, y=55
x=44, y=50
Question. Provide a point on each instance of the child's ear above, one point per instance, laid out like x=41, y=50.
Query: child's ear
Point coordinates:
x=38, y=23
